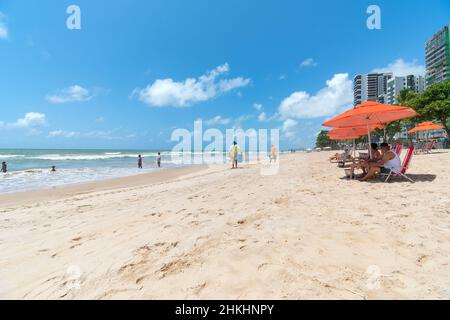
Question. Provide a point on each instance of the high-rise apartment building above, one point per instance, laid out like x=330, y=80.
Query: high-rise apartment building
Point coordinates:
x=396, y=84
x=437, y=57
x=370, y=87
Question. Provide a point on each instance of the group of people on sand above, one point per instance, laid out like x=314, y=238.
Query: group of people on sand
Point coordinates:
x=382, y=160
x=141, y=161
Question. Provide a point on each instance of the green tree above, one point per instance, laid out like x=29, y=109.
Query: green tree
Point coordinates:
x=434, y=104
x=405, y=96
x=389, y=131
x=324, y=141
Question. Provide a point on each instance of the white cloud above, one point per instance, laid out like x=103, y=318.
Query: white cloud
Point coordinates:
x=258, y=106
x=262, y=117
x=62, y=133
x=289, y=128
x=73, y=93
x=337, y=94
x=4, y=33
x=228, y=85
x=401, y=68
x=167, y=92
x=218, y=120
x=31, y=120
x=308, y=63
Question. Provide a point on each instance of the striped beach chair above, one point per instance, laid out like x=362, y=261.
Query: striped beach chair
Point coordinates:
x=404, y=168
x=399, y=148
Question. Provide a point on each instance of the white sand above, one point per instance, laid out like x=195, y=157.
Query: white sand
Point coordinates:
x=303, y=233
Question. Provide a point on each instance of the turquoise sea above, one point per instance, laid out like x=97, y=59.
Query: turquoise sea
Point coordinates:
x=30, y=169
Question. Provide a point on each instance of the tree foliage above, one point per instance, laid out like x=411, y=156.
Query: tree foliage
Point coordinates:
x=433, y=104
x=323, y=141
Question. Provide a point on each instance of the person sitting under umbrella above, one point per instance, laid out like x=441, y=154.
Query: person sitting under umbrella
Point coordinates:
x=364, y=164
x=389, y=161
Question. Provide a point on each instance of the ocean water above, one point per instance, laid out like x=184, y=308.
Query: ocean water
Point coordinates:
x=30, y=169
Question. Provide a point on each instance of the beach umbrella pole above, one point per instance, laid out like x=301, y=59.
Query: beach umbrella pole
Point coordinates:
x=370, y=141
x=354, y=148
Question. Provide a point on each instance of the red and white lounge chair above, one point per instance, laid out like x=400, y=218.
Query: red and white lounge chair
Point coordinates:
x=398, y=149
x=404, y=168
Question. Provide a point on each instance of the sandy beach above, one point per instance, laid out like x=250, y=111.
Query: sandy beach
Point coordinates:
x=214, y=233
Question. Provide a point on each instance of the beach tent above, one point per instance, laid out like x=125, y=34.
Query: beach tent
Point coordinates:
x=370, y=113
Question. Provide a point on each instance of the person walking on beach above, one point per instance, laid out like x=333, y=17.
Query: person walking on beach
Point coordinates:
x=273, y=154
x=234, y=151
x=139, y=162
x=4, y=167
x=158, y=160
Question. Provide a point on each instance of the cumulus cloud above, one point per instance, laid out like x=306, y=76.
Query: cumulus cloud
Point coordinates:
x=3, y=28
x=308, y=63
x=289, y=128
x=168, y=92
x=401, y=68
x=31, y=120
x=73, y=93
x=337, y=93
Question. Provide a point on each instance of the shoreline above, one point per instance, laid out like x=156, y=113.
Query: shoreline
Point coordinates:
x=55, y=193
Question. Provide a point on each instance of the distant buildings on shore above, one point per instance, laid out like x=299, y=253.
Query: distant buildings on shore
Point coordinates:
x=385, y=87
x=437, y=57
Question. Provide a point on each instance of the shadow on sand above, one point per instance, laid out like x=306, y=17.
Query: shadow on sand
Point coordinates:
x=395, y=179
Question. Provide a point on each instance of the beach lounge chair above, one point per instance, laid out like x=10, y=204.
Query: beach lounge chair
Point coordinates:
x=404, y=168
x=398, y=149
x=425, y=146
x=429, y=146
x=343, y=157
x=420, y=145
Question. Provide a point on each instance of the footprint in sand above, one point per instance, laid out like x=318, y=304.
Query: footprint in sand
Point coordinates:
x=423, y=259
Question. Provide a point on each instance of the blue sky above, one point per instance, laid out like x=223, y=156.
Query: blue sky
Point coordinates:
x=138, y=69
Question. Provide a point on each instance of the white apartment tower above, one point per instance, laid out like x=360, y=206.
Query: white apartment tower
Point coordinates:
x=370, y=87
x=415, y=83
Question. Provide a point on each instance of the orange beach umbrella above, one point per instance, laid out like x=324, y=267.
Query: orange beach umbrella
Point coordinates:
x=343, y=137
x=425, y=126
x=360, y=131
x=370, y=113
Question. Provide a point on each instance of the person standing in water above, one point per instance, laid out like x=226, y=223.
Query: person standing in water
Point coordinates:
x=158, y=160
x=234, y=151
x=53, y=169
x=139, y=162
x=4, y=167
